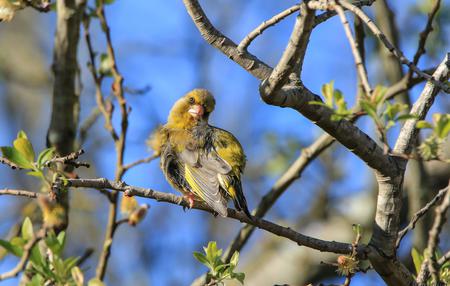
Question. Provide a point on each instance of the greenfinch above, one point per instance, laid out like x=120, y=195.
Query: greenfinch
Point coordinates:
x=201, y=161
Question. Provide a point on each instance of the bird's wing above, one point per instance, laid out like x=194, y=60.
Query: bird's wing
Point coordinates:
x=201, y=172
x=230, y=150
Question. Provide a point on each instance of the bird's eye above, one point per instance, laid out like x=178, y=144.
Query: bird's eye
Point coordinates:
x=191, y=100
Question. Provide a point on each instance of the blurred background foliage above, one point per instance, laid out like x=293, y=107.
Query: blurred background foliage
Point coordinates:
x=157, y=46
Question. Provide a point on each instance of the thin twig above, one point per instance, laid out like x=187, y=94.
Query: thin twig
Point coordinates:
x=396, y=52
x=243, y=45
x=9, y=163
x=20, y=193
x=119, y=138
x=419, y=214
x=321, y=245
x=355, y=50
x=69, y=160
x=430, y=264
x=426, y=32
x=331, y=13
x=444, y=258
x=20, y=266
x=423, y=36
x=141, y=161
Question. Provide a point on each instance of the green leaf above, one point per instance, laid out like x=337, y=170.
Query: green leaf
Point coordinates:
x=70, y=262
x=422, y=124
x=27, y=229
x=45, y=155
x=378, y=94
x=417, y=259
x=389, y=124
x=24, y=146
x=393, y=109
x=404, y=117
x=13, y=155
x=442, y=125
x=36, y=256
x=105, y=65
x=95, y=282
x=328, y=93
x=240, y=277
x=369, y=108
x=201, y=258
x=37, y=280
x=108, y=2
x=12, y=248
x=53, y=244
x=37, y=174
x=234, y=259
x=61, y=238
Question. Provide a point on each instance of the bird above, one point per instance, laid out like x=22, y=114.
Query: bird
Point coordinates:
x=203, y=162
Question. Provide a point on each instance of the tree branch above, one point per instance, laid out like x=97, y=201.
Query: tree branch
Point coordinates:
x=419, y=214
x=362, y=73
x=408, y=133
x=430, y=264
x=20, y=193
x=331, y=13
x=376, y=31
x=292, y=59
x=300, y=239
x=243, y=45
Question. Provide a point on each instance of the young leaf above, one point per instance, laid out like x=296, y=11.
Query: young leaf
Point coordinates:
x=36, y=256
x=27, y=229
x=61, y=238
x=211, y=251
x=11, y=248
x=417, y=259
x=240, y=277
x=328, y=93
x=422, y=124
x=105, y=65
x=234, y=259
x=442, y=125
x=378, y=94
x=37, y=174
x=70, y=262
x=45, y=155
x=370, y=109
x=24, y=146
x=201, y=258
x=404, y=117
x=13, y=155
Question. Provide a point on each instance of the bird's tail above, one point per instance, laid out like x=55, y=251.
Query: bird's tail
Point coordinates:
x=240, y=202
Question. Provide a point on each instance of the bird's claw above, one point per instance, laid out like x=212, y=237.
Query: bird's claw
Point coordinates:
x=190, y=200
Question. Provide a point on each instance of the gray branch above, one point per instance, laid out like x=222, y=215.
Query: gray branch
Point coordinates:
x=286, y=232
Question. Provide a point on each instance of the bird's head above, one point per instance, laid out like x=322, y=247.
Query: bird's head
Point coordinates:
x=192, y=109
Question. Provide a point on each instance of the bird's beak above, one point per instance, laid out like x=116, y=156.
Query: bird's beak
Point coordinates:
x=196, y=111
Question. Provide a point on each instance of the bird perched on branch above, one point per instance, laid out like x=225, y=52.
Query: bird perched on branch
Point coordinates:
x=201, y=161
